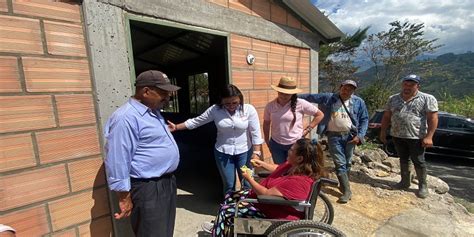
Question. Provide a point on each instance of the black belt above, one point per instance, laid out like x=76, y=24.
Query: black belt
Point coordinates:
x=330, y=133
x=164, y=176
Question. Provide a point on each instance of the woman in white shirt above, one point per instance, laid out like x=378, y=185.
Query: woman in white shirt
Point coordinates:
x=238, y=133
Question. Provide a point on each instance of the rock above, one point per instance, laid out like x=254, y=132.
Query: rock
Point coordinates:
x=381, y=173
x=378, y=166
x=356, y=160
x=437, y=184
x=391, y=162
x=370, y=156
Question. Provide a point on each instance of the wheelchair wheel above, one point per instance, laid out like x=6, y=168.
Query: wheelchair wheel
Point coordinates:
x=324, y=211
x=305, y=228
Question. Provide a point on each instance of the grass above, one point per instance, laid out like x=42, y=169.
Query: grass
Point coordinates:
x=368, y=145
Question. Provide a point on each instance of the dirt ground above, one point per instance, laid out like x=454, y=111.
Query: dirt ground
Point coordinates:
x=373, y=210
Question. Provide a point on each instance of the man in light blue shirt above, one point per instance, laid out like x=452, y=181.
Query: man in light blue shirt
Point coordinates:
x=142, y=156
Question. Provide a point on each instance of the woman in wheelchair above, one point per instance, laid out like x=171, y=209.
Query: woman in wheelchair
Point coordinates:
x=291, y=180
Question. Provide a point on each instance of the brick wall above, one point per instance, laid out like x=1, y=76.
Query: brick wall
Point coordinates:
x=266, y=9
x=51, y=174
x=272, y=61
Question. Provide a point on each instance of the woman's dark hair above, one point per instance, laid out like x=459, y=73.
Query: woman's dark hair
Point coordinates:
x=313, y=159
x=231, y=91
x=293, y=100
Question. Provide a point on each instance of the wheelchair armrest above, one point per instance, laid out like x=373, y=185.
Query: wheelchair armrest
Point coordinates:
x=263, y=174
x=269, y=199
x=331, y=182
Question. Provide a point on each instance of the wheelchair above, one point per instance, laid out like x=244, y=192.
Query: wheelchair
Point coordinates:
x=306, y=227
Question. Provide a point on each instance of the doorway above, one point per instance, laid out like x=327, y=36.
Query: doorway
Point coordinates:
x=197, y=61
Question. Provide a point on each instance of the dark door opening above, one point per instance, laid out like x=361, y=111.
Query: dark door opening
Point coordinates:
x=197, y=62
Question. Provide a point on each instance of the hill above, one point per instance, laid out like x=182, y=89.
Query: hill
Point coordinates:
x=451, y=73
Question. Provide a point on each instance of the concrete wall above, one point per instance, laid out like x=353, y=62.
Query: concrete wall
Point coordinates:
x=51, y=174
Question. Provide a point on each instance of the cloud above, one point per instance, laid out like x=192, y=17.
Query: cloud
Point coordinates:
x=451, y=22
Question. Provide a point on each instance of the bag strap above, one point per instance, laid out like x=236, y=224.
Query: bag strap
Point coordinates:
x=348, y=113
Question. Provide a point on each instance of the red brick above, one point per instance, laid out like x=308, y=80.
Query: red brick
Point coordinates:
x=277, y=48
x=98, y=227
x=262, y=80
x=272, y=94
x=20, y=35
x=259, y=98
x=278, y=14
x=52, y=75
x=275, y=62
x=261, y=60
x=67, y=233
x=303, y=66
x=75, y=109
x=240, y=42
x=65, y=39
x=241, y=5
x=304, y=81
x=261, y=8
x=245, y=93
x=304, y=53
x=220, y=2
x=276, y=77
x=3, y=6
x=20, y=113
x=86, y=174
x=32, y=186
x=290, y=64
x=238, y=58
x=304, y=28
x=67, y=144
x=27, y=223
x=292, y=51
x=293, y=22
x=78, y=208
x=55, y=10
x=10, y=79
x=16, y=151
x=260, y=45
x=242, y=79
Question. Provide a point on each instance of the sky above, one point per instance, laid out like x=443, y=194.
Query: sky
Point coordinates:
x=452, y=22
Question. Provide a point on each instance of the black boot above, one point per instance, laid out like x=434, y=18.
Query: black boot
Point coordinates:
x=406, y=176
x=422, y=184
x=346, y=188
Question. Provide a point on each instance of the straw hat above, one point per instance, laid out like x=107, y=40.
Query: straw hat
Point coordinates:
x=287, y=85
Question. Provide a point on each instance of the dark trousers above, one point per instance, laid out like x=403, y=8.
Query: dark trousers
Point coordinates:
x=154, y=206
x=410, y=149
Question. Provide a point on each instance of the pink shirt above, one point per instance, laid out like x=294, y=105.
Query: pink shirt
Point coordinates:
x=281, y=117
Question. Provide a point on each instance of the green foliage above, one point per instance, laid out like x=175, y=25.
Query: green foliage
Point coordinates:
x=375, y=96
x=450, y=78
x=463, y=106
x=368, y=145
x=391, y=53
x=336, y=60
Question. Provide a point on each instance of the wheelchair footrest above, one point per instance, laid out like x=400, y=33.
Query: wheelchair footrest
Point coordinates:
x=255, y=226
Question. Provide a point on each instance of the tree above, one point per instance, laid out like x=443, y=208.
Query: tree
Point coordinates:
x=336, y=60
x=392, y=54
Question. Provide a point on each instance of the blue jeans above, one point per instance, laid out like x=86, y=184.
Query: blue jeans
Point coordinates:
x=279, y=151
x=341, y=151
x=228, y=164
